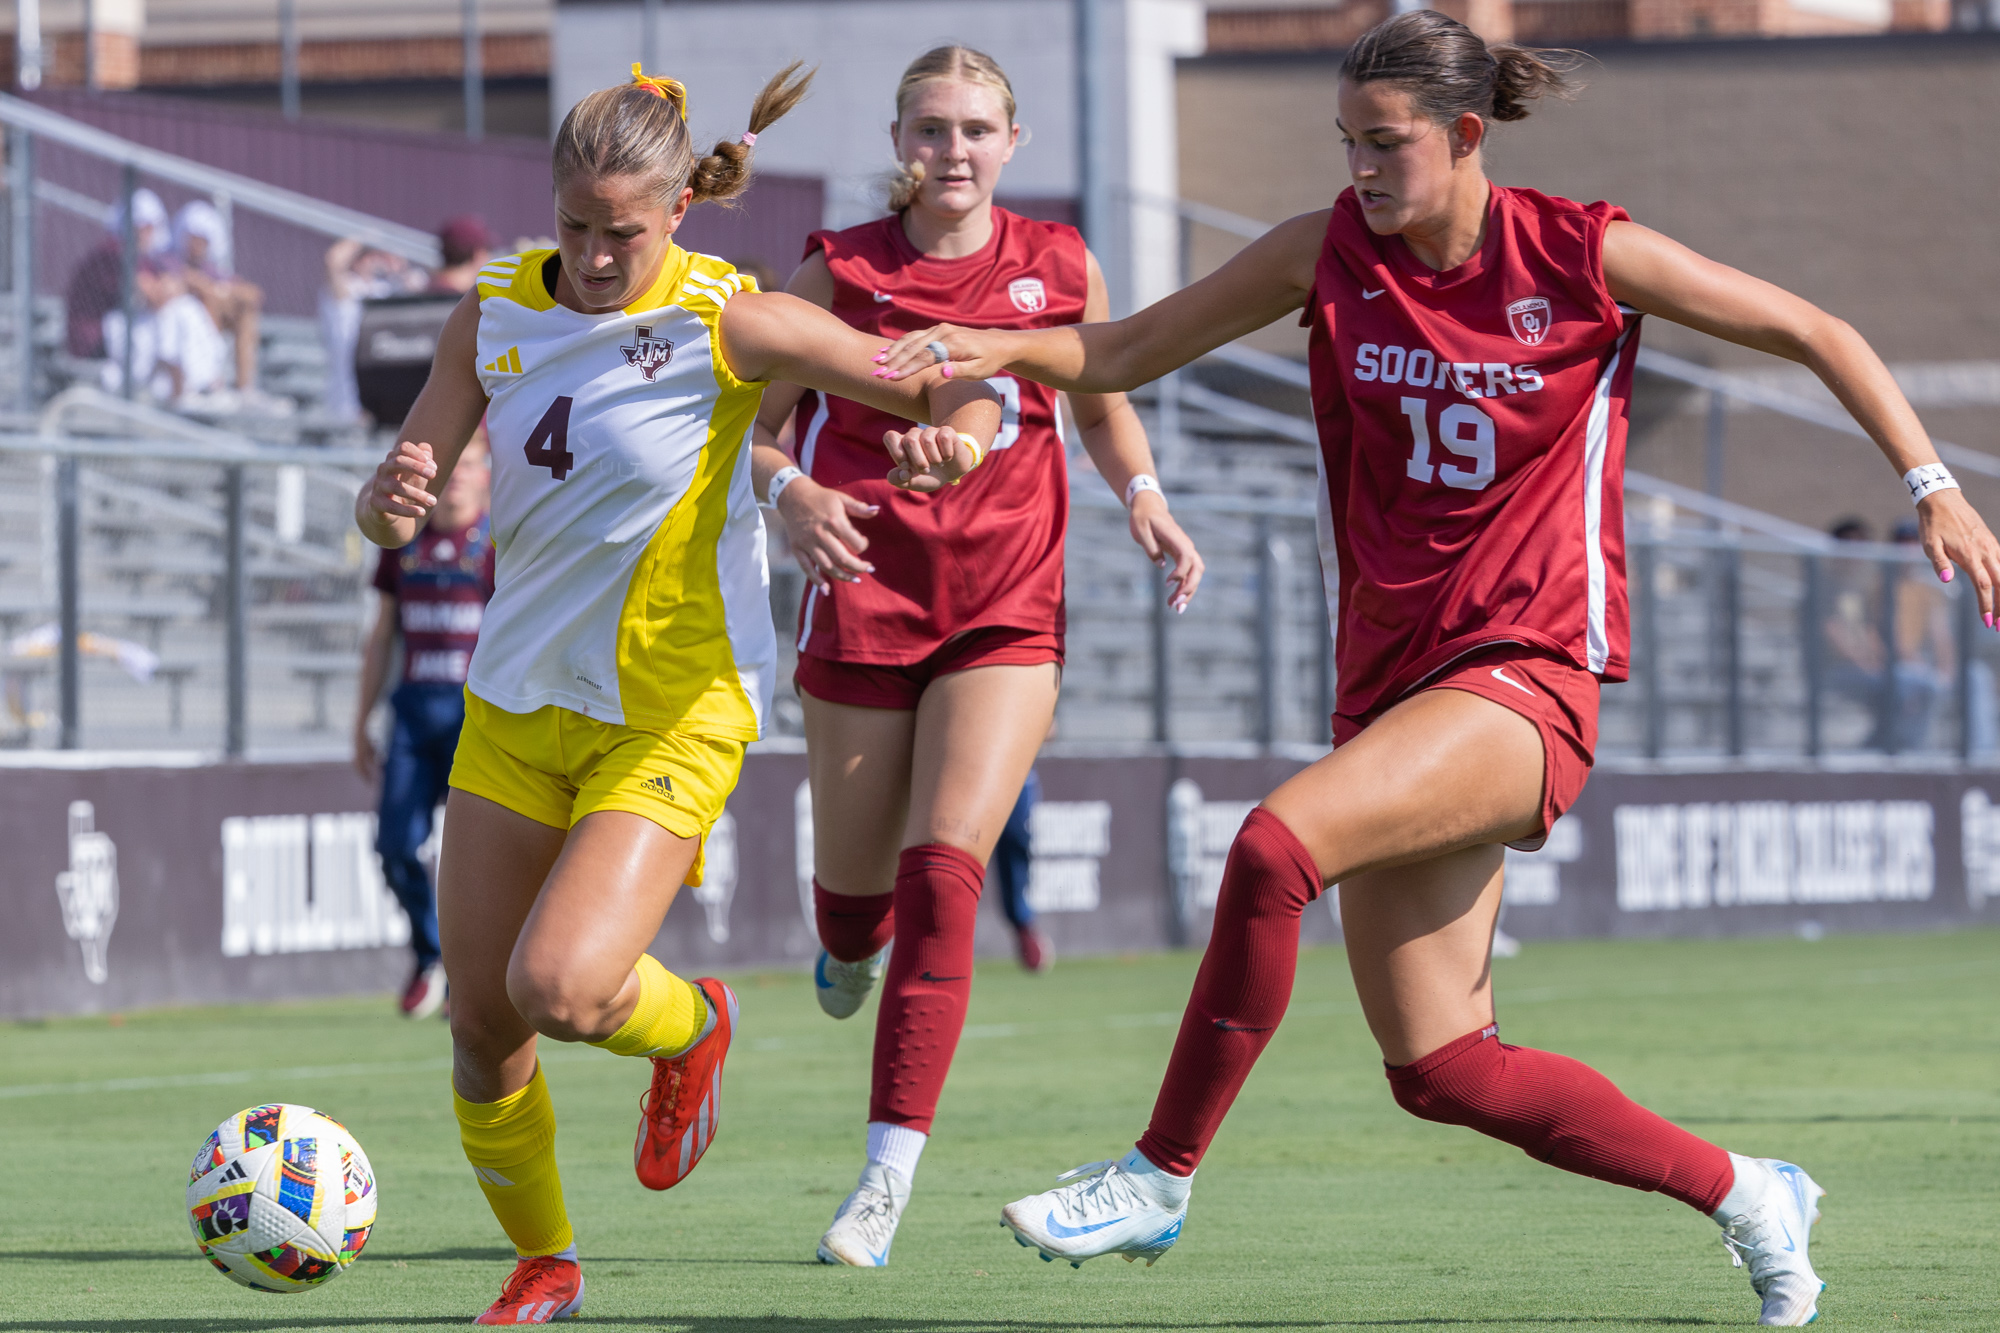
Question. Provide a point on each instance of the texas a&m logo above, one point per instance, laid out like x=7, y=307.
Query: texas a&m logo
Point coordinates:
x=1028, y=295
x=1527, y=317
x=647, y=353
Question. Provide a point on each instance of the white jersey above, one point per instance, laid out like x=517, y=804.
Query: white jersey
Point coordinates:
x=631, y=584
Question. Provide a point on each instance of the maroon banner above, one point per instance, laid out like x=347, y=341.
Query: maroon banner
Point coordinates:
x=133, y=886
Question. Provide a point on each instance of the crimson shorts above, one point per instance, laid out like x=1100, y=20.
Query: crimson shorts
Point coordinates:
x=879, y=685
x=1551, y=692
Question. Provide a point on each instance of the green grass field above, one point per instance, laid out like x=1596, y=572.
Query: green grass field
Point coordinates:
x=1872, y=1061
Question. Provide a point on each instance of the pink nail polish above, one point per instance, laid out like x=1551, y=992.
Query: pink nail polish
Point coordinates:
x=947, y=370
x=1989, y=620
x=880, y=357
x=1944, y=576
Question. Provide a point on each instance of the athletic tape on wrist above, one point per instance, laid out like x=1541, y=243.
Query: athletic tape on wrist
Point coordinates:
x=1145, y=481
x=1929, y=477
x=780, y=479
x=978, y=454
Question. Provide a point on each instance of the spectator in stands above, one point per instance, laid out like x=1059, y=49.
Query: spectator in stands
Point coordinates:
x=1926, y=663
x=96, y=286
x=201, y=240
x=1904, y=679
x=433, y=596
x=466, y=244
x=355, y=273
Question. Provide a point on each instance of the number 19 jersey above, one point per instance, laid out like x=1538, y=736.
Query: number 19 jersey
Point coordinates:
x=631, y=584
x=1472, y=446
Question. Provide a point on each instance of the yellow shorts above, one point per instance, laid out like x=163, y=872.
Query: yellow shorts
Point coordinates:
x=556, y=766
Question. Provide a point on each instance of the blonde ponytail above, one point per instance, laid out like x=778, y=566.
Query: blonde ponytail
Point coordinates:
x=640, y=129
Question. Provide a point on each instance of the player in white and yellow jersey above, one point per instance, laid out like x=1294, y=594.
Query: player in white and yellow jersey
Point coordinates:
x=626, y=657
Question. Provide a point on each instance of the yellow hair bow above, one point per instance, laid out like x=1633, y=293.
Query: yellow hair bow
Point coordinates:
x=673, y=90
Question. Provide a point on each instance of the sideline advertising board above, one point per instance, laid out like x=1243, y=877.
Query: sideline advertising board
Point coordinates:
x=132, y=886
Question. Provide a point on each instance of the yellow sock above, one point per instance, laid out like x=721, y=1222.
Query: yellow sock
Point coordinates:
x=511, y=1144
x=670, y=1016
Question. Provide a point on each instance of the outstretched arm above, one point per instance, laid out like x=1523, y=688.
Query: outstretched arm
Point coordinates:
x=396, y=503
x=1266, y=280
x=1660, y=276
x=776, y=336
x=1116, y=441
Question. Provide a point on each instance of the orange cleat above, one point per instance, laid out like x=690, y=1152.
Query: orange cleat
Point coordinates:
x=541, y=1290
x=679, y=1113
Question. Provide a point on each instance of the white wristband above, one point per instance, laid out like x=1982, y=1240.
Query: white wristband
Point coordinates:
x=1928, y=478
x=1145, y=481
x=780, y=479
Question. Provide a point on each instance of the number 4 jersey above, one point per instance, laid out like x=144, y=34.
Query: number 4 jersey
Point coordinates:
x=631, y=585
x=1472, y=445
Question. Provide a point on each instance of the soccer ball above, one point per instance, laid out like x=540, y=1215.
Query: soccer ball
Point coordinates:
x=281, y=1198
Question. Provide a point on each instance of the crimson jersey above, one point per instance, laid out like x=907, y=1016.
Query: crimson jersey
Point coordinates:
x=1472, y=444
x=441, y=583
x=989, y=551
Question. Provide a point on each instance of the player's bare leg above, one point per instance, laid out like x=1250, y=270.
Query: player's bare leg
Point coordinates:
x=546, y=925
x=975, y=736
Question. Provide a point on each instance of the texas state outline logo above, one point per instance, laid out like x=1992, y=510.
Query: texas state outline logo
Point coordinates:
x=645, y=353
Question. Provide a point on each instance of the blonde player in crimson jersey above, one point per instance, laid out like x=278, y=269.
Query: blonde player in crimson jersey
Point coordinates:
x=1471, y=359
x=625, y=659
x=931, y=640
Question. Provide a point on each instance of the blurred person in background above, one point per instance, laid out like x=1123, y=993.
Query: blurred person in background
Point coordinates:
x=355, y=273
x=433, y=596
x=1013, y=865
x=178, y=356
x=201, y=240
x=1926, y=654
x=465, y=243
x=1924, y=663
x=96, y=285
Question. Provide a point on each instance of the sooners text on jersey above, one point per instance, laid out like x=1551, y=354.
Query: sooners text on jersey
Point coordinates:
x=989, y=551
x=1472, y=441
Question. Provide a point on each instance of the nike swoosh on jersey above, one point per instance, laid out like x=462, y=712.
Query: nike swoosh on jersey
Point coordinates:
x=1367, y=295
x=1499, y=674
x=883, y=298
x=1058, y=1229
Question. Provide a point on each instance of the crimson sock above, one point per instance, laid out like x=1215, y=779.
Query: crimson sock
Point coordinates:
x=929, y=982
x=1240, y=993
x=853, y=926
x=1563, y=1112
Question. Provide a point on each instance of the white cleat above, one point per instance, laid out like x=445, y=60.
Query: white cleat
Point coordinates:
x=1111, y=1208
x=865, y=1226
x=1772, y=1238
x=841, y=987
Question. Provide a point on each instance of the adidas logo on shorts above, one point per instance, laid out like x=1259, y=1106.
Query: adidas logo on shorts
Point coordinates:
x=659, y=786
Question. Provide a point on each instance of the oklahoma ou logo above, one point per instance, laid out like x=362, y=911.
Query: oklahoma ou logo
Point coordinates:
x=1528, y=318
x=1028, y=295
x=649, y=355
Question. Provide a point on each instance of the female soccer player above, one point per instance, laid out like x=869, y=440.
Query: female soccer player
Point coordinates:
x=1471, y=357
x=626, y=656
x=931, y=642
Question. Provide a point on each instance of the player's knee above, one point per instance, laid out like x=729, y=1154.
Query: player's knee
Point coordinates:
x=560, y=1005
x=1459, y=1084
x=1268, y=871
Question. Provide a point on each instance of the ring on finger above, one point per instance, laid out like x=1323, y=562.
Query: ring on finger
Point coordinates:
x=939, y=352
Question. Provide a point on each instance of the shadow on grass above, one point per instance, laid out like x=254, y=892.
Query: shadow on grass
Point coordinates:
x=810, y=1324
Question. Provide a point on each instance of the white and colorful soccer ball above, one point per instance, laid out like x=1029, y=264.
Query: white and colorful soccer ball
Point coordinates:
x=281, y=1198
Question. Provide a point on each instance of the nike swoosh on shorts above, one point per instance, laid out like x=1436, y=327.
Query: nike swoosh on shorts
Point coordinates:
x=1367, y=295
x=1498, y=674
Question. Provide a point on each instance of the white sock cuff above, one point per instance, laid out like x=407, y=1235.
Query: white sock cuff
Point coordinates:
x=1166, y=1187
x=1744, y=1192
x=896, y=1146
